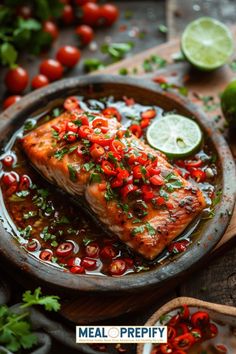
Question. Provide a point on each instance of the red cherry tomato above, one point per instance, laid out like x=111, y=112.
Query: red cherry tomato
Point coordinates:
x=10, y=100
x=112, y=112
x=64, y=249
x=109, y=14
x=10, y=178
x=71, y=103
x=46, y=255
x=16, y=80
x=91, y=14
x=51, y=28
x=85, y=34
x=8, y=161
x=200, y=318
x=117, y=267
x=68, y=56
x=185, y=341
x=68, y=15
x=32, y=245
x=107, y=253
x=24, y=11
x=39, y=81
x=25, y=182
x=89, y=264
x=77, y=270
x=92, y=250
x=136, y=130
x=52, y=69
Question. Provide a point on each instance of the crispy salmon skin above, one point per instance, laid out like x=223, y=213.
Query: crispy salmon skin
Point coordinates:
x=131, y=187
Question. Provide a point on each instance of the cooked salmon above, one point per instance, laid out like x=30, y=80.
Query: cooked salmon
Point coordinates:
x=131, y=187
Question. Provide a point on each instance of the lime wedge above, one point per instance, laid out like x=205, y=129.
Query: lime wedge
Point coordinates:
x=207, y=43
x=175, y=135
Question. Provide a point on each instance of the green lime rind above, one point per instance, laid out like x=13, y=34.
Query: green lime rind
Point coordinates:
x=228, y=103
x=207, y=43
x=174, y=135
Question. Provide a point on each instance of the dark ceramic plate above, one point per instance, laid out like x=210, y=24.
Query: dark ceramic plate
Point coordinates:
x=144, y=92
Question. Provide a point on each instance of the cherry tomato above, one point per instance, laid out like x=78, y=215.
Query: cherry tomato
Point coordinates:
x=71, y=103
x=185, y=341
x=10, y=178
x=107, y=253
x=112, y=112
x=68, y=56
x=8, y=161
x=24, y=11
x=109, y=14
x=149, y=114
x=89, y=264
x=46, y=255
x=200, y=318
x=32, y=245
x=91, y=14
x=16, y=80
x=25, y=182
x=39, y=81
x=10, y=100
x=136, y=130
x=117, y=267
x=178, y=246
x=64, y=249
x=52, y=69
x=77, y=270
x=68, y=15
x=96, y=151
x=92, y=250
x=51, y=28
x=85, y=34
x=156, y=180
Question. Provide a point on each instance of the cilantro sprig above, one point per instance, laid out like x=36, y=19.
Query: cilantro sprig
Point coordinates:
x=15, y=328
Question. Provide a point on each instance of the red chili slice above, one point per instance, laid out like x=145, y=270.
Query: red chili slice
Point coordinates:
x=156, y=180
x=77, y=270
x=12, y=189
x=89, y=264
x=198, y=175
x=144, y=123
x=112, y=112
x=185, y=341
x=107, y=253
x=10, y=178
x=8, y=161
x=142, y=158
x=160, y=201
x=25, y=182
x=221, y=349
x=171, y=333
x=160, y=80
x=193, y=163
x=179, y=351
x=71, y=103
x=200, y=318
x=83, y=119
x=182, y=328
x=71, y=127
x=178, y=247
x=46, y=255
x=137, y=172
x=96, y=151
x=117, y=146
x=64, y=249
x=184, y=312
x=101, y=139
x=71, y=137
x=128, y=189
x=117, y=267
x=147, y=193
x=84, y=131
x=122, y=174
x=32, y=245
x=136, y=130
x=73, y=261
x=129, y=101
x=99, y=122
x=117, y=182
x=211, y=331
x=166, y=348
x=197, y=333
x=92, y=250
x=174, y=320
x=108, y=168
x=149, y=114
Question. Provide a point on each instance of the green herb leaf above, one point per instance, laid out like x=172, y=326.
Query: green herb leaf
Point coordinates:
x=49, y=302
x=8, y=54
x=72, y=173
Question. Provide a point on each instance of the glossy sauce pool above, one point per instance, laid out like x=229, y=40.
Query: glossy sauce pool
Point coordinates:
x=42, y=218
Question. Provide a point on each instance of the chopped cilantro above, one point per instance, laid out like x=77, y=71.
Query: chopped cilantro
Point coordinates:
x=88, y=166
x=95, y=178
x=72, y=173
x=29, y=215
x=138, y=230
x=26, y=232
x=150, y=229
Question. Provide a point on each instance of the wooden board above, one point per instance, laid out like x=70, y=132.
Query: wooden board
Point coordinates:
x=93, y=308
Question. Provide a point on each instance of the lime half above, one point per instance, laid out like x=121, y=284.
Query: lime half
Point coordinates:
x=175, y=135
x=207, y=43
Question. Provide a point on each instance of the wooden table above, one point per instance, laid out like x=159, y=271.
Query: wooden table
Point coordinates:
x=217, y=281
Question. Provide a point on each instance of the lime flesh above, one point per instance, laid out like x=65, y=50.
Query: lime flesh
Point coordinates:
x=175, y=135
x=207, y=43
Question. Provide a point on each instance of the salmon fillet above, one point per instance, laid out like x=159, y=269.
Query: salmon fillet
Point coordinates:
x=148, y=217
